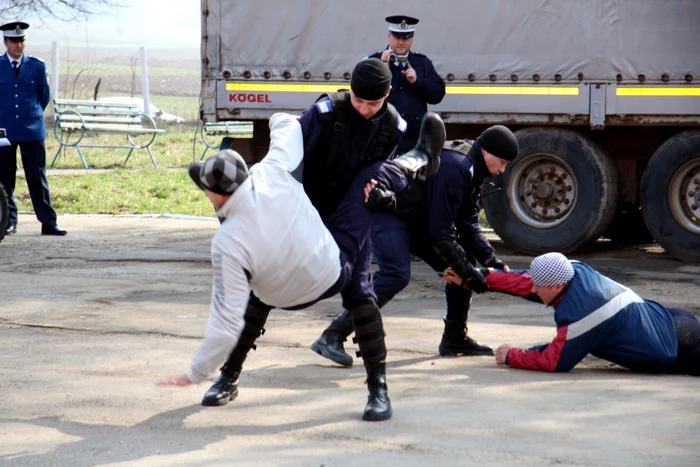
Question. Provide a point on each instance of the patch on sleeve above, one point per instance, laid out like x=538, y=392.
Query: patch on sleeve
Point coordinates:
x=324, y=106
x=401, y=125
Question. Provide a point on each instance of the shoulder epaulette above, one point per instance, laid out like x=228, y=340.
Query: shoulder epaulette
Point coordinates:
x=35, y=58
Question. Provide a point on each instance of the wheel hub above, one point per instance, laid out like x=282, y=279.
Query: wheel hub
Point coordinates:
x=684, y=196
x=544, y=191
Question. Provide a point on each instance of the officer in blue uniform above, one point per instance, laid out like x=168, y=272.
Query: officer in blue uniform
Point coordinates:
x=25, y=95
x=438, y=222
x=414, y=81
x=347, y=136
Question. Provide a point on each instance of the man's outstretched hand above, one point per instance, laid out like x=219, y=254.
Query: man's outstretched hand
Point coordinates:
x=181, y=380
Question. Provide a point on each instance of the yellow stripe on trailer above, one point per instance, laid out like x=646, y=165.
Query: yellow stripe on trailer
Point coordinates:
x=475, y=90
x=650, y=92
x=267, y=87
x=515, y=90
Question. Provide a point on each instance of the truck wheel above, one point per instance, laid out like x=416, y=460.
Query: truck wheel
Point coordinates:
x=670, y=194
x=628, y=227
x=559, y=194
x=4, y=213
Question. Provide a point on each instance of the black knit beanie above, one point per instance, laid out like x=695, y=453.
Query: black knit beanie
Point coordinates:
x=371, y=79
x=499, y=141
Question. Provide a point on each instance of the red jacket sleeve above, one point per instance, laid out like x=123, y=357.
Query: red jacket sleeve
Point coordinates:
x=544, y=358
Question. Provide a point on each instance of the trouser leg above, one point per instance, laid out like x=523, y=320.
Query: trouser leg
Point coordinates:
x=8, y=178
x=225, y=388
x=34, y=163
x=390, y=245
x=688, y=333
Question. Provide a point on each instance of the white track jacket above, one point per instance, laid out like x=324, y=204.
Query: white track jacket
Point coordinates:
x=272, y=232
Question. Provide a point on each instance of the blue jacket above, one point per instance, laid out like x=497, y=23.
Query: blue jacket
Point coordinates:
x=325, y=178
x=23, y=99
x=596, y=315
x=411, y=100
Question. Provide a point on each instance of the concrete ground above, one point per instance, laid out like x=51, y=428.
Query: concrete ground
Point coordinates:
x=89, y=321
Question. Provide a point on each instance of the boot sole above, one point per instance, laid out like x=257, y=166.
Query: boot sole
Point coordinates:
x=470, y=353
x=219, y=402
x=378, y=418
x=322, y=352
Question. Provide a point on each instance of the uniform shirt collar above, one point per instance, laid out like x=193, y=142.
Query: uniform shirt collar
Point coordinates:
x=19, y=60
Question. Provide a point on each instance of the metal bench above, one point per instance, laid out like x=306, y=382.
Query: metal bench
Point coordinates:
x=228, y=129
x=87, y=117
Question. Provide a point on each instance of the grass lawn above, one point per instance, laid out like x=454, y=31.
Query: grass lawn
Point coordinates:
x=122, y=191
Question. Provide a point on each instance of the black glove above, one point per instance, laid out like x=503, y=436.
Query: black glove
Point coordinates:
x=454, y=257
x=495, y=263
x=382, y=200
x=475, y=280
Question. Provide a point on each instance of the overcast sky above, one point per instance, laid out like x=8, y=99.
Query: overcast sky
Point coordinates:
x=151, y=23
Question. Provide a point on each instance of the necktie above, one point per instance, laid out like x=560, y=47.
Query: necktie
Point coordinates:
x=15, y=67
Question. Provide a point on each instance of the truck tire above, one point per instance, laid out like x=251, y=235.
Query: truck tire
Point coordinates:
x=559, y=194
x=628, y=227
x=4, y=213
x=670, y=195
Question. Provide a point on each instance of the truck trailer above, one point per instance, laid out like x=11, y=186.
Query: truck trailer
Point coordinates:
x=603, y=95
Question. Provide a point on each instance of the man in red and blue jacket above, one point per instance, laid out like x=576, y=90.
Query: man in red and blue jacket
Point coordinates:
x=596, y=315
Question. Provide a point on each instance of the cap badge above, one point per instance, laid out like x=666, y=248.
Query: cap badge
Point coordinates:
x=403, y=25
x=18, y=30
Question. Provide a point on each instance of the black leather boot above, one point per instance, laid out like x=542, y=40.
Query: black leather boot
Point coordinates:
x=225, y=389
x=330, y=343
x=456, y=342
x=378, y=404
x=424, y=158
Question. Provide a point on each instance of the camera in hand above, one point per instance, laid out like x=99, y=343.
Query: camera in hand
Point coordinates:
x=393, y=58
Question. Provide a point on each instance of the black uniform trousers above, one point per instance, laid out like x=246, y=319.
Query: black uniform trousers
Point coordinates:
x=34, y=163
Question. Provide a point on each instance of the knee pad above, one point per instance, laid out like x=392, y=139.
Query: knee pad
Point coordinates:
x=369, y=333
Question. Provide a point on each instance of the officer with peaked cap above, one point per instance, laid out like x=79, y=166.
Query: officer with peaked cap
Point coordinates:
x=414, y=82
x=25, y=94
x=438, y=222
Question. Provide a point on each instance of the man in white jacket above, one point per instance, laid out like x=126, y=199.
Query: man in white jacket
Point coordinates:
x=273, y=249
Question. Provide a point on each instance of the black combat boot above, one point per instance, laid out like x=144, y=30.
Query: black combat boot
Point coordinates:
x=225, y=389
x=330, y=343
x=424, y=158
x=378, y=404
x=456, y=342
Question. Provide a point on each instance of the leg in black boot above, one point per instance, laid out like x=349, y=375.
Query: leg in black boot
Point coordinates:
x=454, y=339
x=330, y=343
x=225, y=388
x=369, y=335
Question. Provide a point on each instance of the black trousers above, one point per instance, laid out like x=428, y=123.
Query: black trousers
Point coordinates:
x=688, y=332
x=34, y=163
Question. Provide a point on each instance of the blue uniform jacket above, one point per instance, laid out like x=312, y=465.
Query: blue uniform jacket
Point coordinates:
x=23, y=99
x=411, y=100
x=359, y=136
x=450, y=207
x=596, y=315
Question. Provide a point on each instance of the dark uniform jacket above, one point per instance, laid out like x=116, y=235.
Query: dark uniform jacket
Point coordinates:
x=327, y=176
x=23, y=99
x=449, y=203
x=411, y=100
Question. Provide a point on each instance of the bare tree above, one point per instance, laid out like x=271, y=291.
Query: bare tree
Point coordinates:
x=66, y=10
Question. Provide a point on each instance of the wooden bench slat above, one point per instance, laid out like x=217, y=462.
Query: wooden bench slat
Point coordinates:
x=98, y=119
x=90, y=103
x=82, y=111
